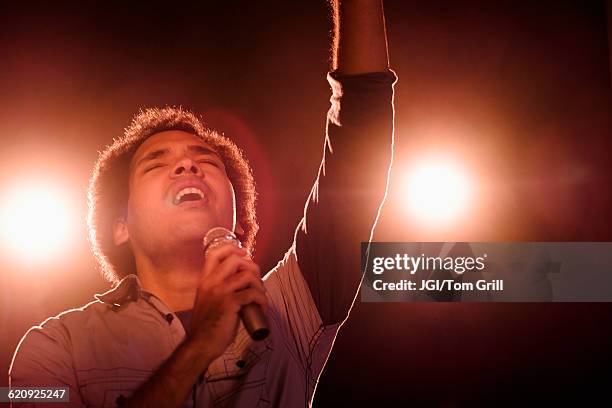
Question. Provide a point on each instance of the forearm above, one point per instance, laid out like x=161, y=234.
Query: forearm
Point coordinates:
x=173, y=381
x=360, y=42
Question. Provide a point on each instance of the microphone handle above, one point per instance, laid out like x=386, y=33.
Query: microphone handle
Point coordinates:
x=254, y=321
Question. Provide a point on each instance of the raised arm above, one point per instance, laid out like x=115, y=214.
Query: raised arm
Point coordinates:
x=343, y=206
x=360, y=41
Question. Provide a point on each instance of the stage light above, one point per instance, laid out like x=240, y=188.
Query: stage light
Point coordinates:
x=437, y=192
x=36, y=221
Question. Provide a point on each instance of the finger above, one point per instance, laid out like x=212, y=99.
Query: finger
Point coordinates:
x=218, y=254
x=248, y=296
x=243, y=264
x=242, y=280
x=231, y=265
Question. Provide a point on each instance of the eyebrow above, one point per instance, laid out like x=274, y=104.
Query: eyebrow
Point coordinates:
x=199, y=149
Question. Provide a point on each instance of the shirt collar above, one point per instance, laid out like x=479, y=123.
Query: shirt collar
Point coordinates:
x=128, y=289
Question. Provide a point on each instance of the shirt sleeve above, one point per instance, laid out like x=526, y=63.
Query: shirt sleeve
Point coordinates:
x=43, y=359
x=343, y=206
x=295, y=320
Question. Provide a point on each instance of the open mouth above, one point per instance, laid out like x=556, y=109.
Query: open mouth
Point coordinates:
x=188, y=194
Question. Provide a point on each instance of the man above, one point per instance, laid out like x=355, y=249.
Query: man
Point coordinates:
x=169, y=334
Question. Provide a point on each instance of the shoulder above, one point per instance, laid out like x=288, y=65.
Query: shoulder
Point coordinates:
x=59, y=330
x=91, y=314
x=286, y=274
x=48, y=346
x=289, y=261
x=289, y=293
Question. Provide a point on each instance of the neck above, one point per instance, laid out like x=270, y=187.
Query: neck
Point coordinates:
x=174, y=278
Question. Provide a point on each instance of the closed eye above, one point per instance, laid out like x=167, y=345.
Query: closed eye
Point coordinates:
x=210, y=161
x=155, y=166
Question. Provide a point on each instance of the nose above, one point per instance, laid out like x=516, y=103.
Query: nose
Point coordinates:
x=186, y=166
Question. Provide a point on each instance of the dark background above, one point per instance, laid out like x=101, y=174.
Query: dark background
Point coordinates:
x=520, y=89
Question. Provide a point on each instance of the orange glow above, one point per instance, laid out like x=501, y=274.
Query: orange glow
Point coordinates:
x=36, y=220
x=438, y=192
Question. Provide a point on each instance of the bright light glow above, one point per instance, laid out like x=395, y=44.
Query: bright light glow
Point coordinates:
x=437, y=192
x=36, y=222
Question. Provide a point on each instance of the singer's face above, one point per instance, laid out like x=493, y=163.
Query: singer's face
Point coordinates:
x=178, y=190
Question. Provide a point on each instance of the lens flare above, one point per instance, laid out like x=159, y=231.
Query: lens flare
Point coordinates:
x=36, y=222
x=437, y=193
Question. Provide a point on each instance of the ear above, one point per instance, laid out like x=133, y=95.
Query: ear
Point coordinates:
x=120, y=231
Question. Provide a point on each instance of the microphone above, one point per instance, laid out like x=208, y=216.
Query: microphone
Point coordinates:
x=252, y=316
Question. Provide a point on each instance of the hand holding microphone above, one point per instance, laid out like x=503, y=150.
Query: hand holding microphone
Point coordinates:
x=252, y=315
x=230, y=283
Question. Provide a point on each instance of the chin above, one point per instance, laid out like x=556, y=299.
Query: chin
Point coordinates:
x=188, y=235
x=195, y=228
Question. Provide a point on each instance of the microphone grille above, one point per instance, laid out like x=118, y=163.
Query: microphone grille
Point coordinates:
x=219, y=235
